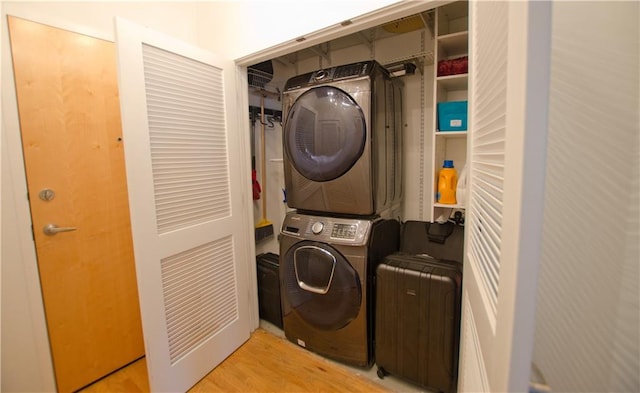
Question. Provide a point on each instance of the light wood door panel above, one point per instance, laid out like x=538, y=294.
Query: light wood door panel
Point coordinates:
x=72, y=141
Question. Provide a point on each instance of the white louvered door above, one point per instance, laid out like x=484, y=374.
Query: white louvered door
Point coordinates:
x=508, y=102
x=184, y=170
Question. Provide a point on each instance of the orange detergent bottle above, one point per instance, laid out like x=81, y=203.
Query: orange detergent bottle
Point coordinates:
x=447, y=182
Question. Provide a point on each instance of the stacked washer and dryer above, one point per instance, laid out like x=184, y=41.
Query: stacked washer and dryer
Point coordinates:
x=343, y=174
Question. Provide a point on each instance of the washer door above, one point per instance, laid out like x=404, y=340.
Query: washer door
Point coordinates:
x=324, y=133
x=321, y=285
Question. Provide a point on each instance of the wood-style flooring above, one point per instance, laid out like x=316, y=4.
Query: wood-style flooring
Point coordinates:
x=265, y=363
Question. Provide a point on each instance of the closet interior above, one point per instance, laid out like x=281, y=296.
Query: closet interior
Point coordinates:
x=425, y=51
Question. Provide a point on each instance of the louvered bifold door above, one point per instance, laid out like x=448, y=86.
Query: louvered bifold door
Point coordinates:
x=507, y=111
x=184, y=176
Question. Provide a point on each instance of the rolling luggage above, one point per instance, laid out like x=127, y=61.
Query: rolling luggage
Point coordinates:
x=418, y=320
x=269, y=305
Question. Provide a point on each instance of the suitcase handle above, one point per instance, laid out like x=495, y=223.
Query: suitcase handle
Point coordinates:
x=311, y=288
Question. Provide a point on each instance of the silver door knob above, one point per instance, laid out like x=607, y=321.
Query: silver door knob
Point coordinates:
x=52, y=229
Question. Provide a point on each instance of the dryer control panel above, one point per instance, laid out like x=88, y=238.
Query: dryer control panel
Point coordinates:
x=327, y=229
x=354, y=70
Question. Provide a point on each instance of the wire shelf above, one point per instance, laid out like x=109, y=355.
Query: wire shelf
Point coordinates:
x=257, y=78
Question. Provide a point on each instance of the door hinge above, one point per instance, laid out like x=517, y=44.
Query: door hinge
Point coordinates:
x=539, y=388
x=538, y=384
x=33, y=234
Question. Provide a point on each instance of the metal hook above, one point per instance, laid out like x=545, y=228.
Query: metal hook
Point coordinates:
x=278, y=119
x=259, y=118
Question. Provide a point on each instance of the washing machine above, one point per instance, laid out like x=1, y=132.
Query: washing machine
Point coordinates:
x=342, y=140
x=327, y=269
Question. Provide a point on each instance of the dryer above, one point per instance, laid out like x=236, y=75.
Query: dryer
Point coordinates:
x=342, y=140
x=327, y=267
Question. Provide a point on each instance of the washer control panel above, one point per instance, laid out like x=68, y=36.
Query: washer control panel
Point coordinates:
x=327, y=229
x=344, y=231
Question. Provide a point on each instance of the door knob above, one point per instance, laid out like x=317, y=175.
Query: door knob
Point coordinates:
x=52, y=229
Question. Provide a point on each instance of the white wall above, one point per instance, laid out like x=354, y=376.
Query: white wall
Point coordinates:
x=243, y=27
x=587, y=324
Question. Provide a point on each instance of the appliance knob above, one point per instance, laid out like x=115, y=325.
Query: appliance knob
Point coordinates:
x=317, y=227
x=320, y=75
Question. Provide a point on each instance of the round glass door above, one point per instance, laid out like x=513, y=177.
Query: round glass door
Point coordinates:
x=321, y=285
x=324, y=133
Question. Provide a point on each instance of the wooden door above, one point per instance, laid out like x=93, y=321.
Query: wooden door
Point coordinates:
x=69, y=111
x=192, y=220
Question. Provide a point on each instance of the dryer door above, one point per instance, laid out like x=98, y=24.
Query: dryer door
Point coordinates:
x=320, y=285
x=324, y=133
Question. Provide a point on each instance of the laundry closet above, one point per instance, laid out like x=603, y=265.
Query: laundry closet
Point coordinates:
x=348, y=139
x=410, y=49
x=537, y=71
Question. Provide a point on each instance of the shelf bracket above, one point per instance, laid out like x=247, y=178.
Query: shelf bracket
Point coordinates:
x=286, y=62
x=429, y=21
x=318, y=51
x=365, y=40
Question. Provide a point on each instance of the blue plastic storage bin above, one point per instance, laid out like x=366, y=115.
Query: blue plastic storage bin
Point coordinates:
x=452, y=116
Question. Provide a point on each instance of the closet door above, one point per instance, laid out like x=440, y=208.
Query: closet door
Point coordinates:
x=509, y=79
x=189, y=223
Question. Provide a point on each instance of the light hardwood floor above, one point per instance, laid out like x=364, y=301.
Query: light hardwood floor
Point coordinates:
x=265, y=363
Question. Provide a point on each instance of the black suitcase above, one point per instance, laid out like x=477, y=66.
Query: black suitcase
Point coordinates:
x=269, y=305
x=418, y=320
x=441, y=241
